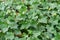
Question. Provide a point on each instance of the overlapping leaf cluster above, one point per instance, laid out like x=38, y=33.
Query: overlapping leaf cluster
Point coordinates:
x=30, y=20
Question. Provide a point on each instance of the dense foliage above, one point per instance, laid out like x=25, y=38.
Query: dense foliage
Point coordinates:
x=29, y=19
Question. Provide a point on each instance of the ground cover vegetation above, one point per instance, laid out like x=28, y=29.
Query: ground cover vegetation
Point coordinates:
x=29, y=19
